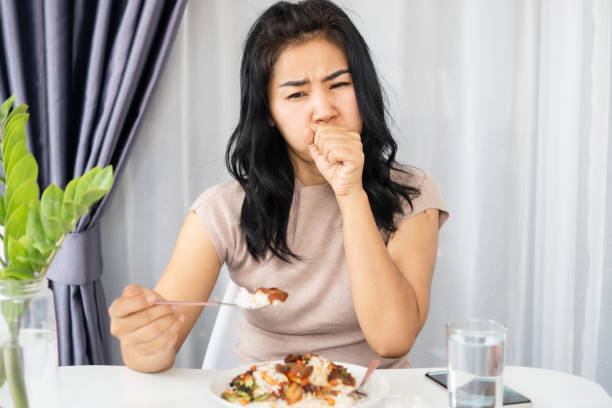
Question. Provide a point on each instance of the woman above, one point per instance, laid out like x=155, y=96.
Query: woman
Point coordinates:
x=318, y=207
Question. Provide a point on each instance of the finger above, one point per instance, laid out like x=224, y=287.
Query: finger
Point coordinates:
x=333, y=128
x=326, y=146
x=308, y=136
x=343, y=155
x=329, y=143
x=132, y=290
x=135, y=299
x=165, y=341
x=125, y=306
x=133, y=322
x=324, y=135
x=152, y=329
x=317, y=157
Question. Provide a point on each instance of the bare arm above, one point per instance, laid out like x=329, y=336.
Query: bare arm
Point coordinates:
x=151, y=335
x=390, y=284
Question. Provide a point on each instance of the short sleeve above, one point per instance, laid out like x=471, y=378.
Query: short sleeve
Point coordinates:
x=429, y=197
x=219, y=210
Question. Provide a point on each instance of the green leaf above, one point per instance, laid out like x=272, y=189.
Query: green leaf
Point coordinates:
x=51, y=202
x=42, y=249
x=51, y=212
x=4, y=108
x=70, y=190
x=85, y=183
x=35, y=229
x=15, y=249
x=33, y=264
x=24, y=172
x=10, y=140
x=81, y=210
x=68, y=216
x=68, y=204
x=16, y=223
x=104, y=179
x=37, y=253
x=2, y=211
x=20, y=257
x=14, y=128
x=98, y=187
x=19, y=109
x=26, y=193
x=91, y=197
x=17, y=153
x=15, y=272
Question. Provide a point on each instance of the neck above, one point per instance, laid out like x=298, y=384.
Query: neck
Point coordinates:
x=307, y=172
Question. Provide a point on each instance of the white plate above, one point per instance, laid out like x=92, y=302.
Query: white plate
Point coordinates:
x=376, y=387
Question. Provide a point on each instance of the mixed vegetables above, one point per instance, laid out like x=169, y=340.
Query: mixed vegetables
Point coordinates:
x=291, y=381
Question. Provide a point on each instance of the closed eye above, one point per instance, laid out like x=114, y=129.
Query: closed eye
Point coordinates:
x=339, y=84
x=296, y=95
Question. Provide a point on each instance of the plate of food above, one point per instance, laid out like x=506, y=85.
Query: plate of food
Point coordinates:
x=298, y=381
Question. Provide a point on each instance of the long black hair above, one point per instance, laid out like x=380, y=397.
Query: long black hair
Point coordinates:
x=257, y=154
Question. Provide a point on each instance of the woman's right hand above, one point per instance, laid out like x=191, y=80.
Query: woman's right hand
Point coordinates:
x=148, y=333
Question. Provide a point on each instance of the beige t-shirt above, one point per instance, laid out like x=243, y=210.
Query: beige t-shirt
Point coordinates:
x=318, y=316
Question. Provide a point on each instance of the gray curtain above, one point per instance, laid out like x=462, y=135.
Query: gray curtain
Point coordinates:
x=87, y=70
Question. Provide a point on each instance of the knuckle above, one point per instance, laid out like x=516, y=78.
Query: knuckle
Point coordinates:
x=157, y=327
x=150, y=314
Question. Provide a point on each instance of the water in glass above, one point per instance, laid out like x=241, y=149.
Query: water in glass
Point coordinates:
x=475, y=368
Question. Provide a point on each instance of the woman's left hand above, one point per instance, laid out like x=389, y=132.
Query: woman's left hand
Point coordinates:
x=338, y=154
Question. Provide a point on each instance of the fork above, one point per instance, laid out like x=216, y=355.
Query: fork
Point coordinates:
x=190, y=303
x=359, y=390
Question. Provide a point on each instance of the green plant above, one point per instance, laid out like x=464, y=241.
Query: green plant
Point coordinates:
x=34, y=228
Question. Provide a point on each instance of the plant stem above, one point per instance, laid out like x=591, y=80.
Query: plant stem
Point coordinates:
x=2, y=371
x=59, y=243
x=13, y=368
x=15, y=376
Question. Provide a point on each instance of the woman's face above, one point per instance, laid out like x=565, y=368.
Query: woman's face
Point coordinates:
x=311, y=86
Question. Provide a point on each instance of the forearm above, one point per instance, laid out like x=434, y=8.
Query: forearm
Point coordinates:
x=384, y=301
x=148, y=363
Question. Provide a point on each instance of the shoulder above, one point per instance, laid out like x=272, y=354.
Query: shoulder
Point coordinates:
x=408, y=176
x=218, y=208
x=227, y=196
x=429, y=195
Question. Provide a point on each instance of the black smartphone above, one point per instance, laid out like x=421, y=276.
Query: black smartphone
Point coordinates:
x=511, y=397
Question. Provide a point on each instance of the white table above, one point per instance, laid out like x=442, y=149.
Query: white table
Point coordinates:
x=116, y=386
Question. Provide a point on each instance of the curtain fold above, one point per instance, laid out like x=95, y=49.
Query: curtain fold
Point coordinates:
x=87, y=69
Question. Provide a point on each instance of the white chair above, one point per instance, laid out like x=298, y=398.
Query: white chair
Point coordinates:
x=220, y=353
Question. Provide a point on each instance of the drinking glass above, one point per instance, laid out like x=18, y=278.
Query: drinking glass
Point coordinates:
x=475, y=363
x=29, y=375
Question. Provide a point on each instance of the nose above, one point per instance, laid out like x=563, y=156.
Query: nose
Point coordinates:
x=323, y=110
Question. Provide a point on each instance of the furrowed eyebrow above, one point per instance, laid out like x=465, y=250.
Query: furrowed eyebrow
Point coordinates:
x=335, y=74
x=305, y=81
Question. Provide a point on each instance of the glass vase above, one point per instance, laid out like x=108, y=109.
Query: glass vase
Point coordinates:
x=29, y=372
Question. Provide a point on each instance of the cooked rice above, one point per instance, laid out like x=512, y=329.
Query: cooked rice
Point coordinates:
x=268, y=380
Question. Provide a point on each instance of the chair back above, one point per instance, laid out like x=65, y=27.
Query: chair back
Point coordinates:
x=219, y=353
